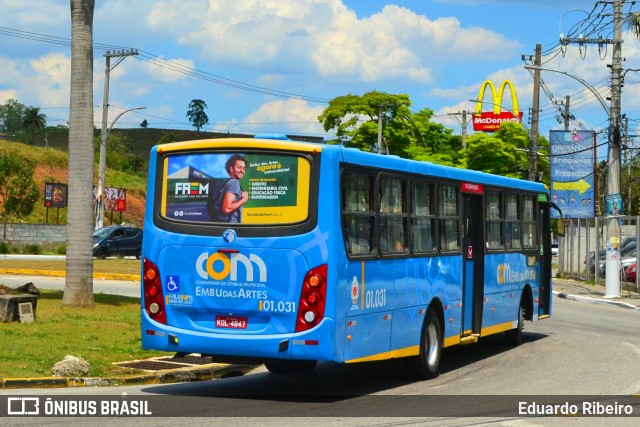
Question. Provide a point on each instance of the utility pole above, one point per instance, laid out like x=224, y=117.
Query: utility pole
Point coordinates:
x=535, y=117
x=380, y=111
x=104, y=132
x=566, y=114
x=612, y=288
x=612, y=281
x=463, y=123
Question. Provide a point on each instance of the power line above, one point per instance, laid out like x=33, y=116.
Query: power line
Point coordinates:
x=170, y=65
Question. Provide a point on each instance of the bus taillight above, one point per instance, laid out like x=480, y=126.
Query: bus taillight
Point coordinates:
x=153, y=297
x=312, y=298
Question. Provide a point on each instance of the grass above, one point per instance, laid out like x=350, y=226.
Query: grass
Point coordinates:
x=107, y=333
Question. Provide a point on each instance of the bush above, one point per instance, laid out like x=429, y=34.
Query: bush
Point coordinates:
x=33, y=250
x=5, y=248
x=61, y=249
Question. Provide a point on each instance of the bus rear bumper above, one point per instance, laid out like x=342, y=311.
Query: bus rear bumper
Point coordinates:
x=314, y=344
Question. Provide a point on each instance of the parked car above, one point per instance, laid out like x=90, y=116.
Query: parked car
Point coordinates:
x=627, y=250
x=554, y=249
x=627, y=259
x=117, y=240
x=630, y=273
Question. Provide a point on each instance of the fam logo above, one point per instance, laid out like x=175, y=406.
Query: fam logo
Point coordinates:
x=222, y=265
x=191, y=188
x=490, y=121
x=506, y=275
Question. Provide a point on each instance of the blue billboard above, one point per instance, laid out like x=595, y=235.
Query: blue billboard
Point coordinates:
x=572, y=177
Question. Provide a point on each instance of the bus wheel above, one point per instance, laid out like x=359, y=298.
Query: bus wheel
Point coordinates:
x=514, y=336
x=291, y=366
x=425, y=365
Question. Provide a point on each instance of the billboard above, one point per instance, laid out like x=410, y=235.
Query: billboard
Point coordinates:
x=572, y=178
x=206, y=187
x=490, y=121
x=55, y=195
x=115, y=199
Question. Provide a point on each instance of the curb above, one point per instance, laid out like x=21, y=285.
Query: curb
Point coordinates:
x=595, y=300
x=101, y=276
x=181, y=375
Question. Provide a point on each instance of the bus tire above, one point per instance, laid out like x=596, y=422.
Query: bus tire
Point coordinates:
x=425, y=365
x=289, y=367
x=514, y=336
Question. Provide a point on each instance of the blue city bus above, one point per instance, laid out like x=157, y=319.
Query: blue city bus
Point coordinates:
x=335, y=255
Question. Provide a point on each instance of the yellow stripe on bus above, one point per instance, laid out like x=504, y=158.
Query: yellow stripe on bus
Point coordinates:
x=448, y=342
x=394, y=354
x=241, y=143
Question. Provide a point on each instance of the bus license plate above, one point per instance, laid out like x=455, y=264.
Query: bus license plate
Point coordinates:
x=231, y=322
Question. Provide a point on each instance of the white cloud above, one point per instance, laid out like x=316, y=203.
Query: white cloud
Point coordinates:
x=281, y=116
x=6, y=95
x=20, y=13
x=171, y=70
x=41, y=81
x=325, y=35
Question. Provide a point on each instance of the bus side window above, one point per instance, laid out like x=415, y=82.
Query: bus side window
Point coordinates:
x=423, y=222
x=448, y=217
x=392, y=216
x=493, y=216
x=529, y=223
x=357, y=215
x=512, y=230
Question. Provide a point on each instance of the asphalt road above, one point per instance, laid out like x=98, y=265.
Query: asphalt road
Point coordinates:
x=584, y=352
x=112, y=287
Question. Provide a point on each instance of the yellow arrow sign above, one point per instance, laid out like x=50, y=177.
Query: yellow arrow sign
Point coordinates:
x=580, y=185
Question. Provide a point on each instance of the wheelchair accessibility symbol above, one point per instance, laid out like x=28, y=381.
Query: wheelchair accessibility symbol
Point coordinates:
x=173, y=283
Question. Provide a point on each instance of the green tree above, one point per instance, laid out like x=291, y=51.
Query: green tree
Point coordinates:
x=432, y=142
x=18, y=189
x=33, y=120
x=356, y=119
x=11, y=115
x=505, y=152
x=120, y=155
x=78, y=289
x=197, y=117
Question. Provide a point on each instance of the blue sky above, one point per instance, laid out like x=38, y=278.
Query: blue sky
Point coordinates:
x=271, y=65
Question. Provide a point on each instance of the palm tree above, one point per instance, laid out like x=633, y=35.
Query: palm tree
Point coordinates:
x=632, y=22
x=78, y=289
x=34, y=120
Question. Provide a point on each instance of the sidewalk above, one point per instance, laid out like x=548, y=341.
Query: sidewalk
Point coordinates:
x=576, y=290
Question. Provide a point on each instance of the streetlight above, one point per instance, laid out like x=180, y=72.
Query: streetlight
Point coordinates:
x=103, y=168
x=612, y=280
x=584, y=82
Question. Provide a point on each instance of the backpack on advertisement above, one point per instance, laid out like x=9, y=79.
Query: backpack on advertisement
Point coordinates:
x=214, y=201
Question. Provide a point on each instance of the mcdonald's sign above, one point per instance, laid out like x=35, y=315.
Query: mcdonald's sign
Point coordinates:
x=489, y=121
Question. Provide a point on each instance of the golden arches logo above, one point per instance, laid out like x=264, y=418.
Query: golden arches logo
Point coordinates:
x=490, y=121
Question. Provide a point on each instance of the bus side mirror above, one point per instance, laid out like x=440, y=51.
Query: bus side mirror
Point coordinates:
x=561, y=227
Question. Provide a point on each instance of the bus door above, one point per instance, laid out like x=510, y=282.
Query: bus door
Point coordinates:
x=544, y=306
x=473, y=254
